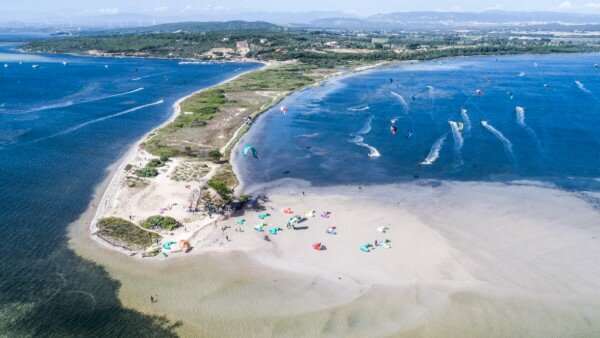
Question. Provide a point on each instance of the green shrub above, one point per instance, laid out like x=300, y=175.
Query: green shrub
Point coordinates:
x=155, y=163
x=128, y=167
x=220, y=188
x=120, y=231
x=147, y=172
x=215, y=155
x=164, y=157
x=157, y=222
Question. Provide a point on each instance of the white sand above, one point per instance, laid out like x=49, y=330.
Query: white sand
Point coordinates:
x=466, y=258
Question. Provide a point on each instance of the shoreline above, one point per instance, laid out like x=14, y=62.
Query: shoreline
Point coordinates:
x=465, y=257
x=443, y=272
x=117, y=174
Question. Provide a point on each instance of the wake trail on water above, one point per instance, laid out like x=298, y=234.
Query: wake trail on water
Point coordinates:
x=366, y=127
x=79, y=126
x=521, y=116
x=499, y=135
x=458, y=139
x=147, y=76
x=582, y=87
x=465, y=117
x=359, y=108
x=73, y=102
x=520, y=111
x=401, y=99
x=359, y=140
x=434, y=153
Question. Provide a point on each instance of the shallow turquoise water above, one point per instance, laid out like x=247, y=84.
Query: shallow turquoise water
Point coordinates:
x=540, y=125
x=61, y=126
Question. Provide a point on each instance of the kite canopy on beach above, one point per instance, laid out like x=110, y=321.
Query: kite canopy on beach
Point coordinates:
x=251, y=148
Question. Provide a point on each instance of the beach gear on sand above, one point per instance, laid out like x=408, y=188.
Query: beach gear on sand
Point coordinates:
x=288, y=211
x=251, y=149
x=326, y=214
x=274, y=230
x=383, y=229
x=331, y=230
x=240, y=221
x=384, y=244
x=291, y=224
x=184, y=244
x=167, y=245
x=260, y=227
x=366, y=248
x=319, y=246
x=309, y=214
x=263, y=215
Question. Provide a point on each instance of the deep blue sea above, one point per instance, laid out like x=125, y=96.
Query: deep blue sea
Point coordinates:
x=63, y=121
x=523, y=118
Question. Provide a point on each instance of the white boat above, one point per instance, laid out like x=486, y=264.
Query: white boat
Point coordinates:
x=35, y=66
x=6, y=65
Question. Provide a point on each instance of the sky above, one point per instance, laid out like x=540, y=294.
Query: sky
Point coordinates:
x=29, y=9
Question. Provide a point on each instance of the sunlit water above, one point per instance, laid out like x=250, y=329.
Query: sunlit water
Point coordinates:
x=61, y=126
x=537, y=118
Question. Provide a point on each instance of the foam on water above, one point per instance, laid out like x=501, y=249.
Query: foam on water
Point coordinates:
x=434, y=153
x=69, y=103
x=499, y=135
x=366, y=127
x=582, y=87
x=147, y=76
x=401, y=99
x=520, y=116
x=520, y=111
x=359, y=141
x=81, y=125
x=359, y=108
x=458, y=139
x=465, y=118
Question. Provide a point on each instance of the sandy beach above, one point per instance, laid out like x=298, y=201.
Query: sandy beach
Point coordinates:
x=465, y=258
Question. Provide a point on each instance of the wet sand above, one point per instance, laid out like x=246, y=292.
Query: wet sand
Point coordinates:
x=466, y=259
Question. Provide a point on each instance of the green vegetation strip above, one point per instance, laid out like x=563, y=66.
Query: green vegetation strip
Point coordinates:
x=124, y=233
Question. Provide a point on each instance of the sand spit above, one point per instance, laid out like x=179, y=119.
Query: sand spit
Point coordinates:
x=465, y=258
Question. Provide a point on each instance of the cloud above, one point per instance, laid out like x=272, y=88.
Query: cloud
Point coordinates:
x=204, y=8
x=495, y=8
x=592, y=5
x=161, y=9
x=109, y=11
x=565, y=5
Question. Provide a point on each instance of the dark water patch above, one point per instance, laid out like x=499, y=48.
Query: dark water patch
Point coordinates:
x=49, y=173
